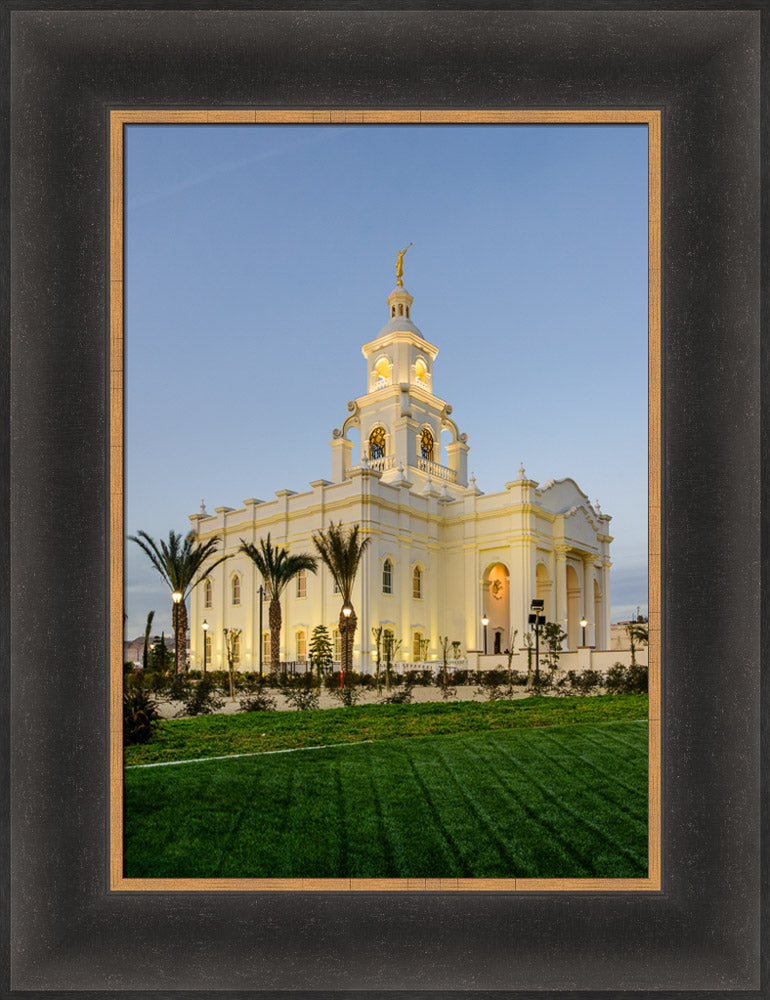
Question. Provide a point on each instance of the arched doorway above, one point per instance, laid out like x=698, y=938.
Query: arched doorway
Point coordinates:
x=497, y=599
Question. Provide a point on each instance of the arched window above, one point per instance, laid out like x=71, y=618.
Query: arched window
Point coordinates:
x=416, y=646
x=265, y=647
x=407, y=312
x=236, y=589
x=387, y=577
x=337, y=640
x=388, y=644
x=208, y=594
x=302, y=583
x=426, y=444
x=382, y=370
x=377, y=443
x=498, y=640
x=420, y=371
x=208, y=647
x=392, y=310
x=301, y=640
x=401, y=309
x=417, y=582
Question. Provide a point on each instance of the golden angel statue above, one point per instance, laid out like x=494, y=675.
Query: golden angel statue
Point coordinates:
x=400, y=266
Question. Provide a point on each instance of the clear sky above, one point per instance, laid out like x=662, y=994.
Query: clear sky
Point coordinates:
x=258, y=261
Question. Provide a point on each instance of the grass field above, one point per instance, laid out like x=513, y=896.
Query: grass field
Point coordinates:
x=485, y=800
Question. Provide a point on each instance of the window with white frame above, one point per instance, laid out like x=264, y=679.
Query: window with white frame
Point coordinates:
x=417, y=583
x=417, y=646
x=301, y=643
x=337, y=640
x=236, y=650
x=302, y=583
x=208, y=648
x=387, y=577
x=265, y=647
x=208, y=594
x=236, y=590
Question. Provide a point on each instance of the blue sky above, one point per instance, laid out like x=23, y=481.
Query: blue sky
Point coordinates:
x=258, y=261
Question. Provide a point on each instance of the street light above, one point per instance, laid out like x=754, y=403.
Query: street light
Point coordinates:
x=205, y=627
x=176, y=597
x=584, y=625
x=485, y=622
x=536, y=605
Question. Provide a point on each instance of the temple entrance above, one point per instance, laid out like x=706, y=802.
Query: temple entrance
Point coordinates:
x=497, y=599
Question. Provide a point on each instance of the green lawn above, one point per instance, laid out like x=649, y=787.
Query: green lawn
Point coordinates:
x=539, y=800
x=255, y=732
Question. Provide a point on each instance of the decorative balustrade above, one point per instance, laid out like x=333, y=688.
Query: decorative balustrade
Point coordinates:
x=381, y=383
x=382, y=464
x=436, y=471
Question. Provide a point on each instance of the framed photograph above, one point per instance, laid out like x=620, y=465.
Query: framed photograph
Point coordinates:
x=688, y=917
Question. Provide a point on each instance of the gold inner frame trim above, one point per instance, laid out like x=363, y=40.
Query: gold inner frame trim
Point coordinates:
x=652, y=118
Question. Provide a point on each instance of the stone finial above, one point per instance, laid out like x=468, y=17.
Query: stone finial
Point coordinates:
x=597, y=507
x=522, y=471
x=202, y=511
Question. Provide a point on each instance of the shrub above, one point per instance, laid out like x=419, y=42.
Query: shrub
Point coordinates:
x=302, y=698
x=347, y=696
x=584, y=682
x=627, y=680
x=202, y=698
x=398, y=697
x=140, y=715
x=256, y=699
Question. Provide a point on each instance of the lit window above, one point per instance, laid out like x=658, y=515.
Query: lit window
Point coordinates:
x=208, y=648
x=387, y=577
x=417, y=582
x=388, y=643
x=236, y=650
x=426, y=444
x=420, y=371
x=208, y=594
x=265, y=647
x=401, y=309
x=301, y=646
x=416, y=646
x=382, y=371
x=337, y=644
x=377, y=443
x=236, y=589
x=302, y=583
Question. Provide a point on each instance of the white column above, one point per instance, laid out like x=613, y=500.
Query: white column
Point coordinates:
x=588, y=601
x=560, y=584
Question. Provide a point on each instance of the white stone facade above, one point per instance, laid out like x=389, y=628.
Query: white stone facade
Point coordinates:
x=442, y=553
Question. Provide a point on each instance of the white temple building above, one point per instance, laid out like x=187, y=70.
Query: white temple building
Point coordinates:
x=443, y=555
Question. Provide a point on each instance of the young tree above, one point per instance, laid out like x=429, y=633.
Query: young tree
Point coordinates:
x=424, y=646
x=377, y=632
x=510, y=654
x=321, y=654
x=231, y=639
x=391, y=646
x=180, y=563
x=277, y=568
x=341, y=551
x=553, y=636
x=443, y=645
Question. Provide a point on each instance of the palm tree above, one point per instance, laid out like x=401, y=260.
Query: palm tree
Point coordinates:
x=342, y=551
x=276, y=567
x=179, y=562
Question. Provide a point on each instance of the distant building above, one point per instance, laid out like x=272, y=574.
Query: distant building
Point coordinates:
x=619, y=638
x=442, y=553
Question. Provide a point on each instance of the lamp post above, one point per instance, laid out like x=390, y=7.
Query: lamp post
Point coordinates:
x=583, y=625
x=347, y=611
x=176, y=597
x=536, y=606
x=205, y=627
x=261, y=643
x=485, y=622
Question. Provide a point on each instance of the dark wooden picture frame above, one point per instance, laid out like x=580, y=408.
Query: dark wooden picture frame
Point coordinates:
x=63, y=928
